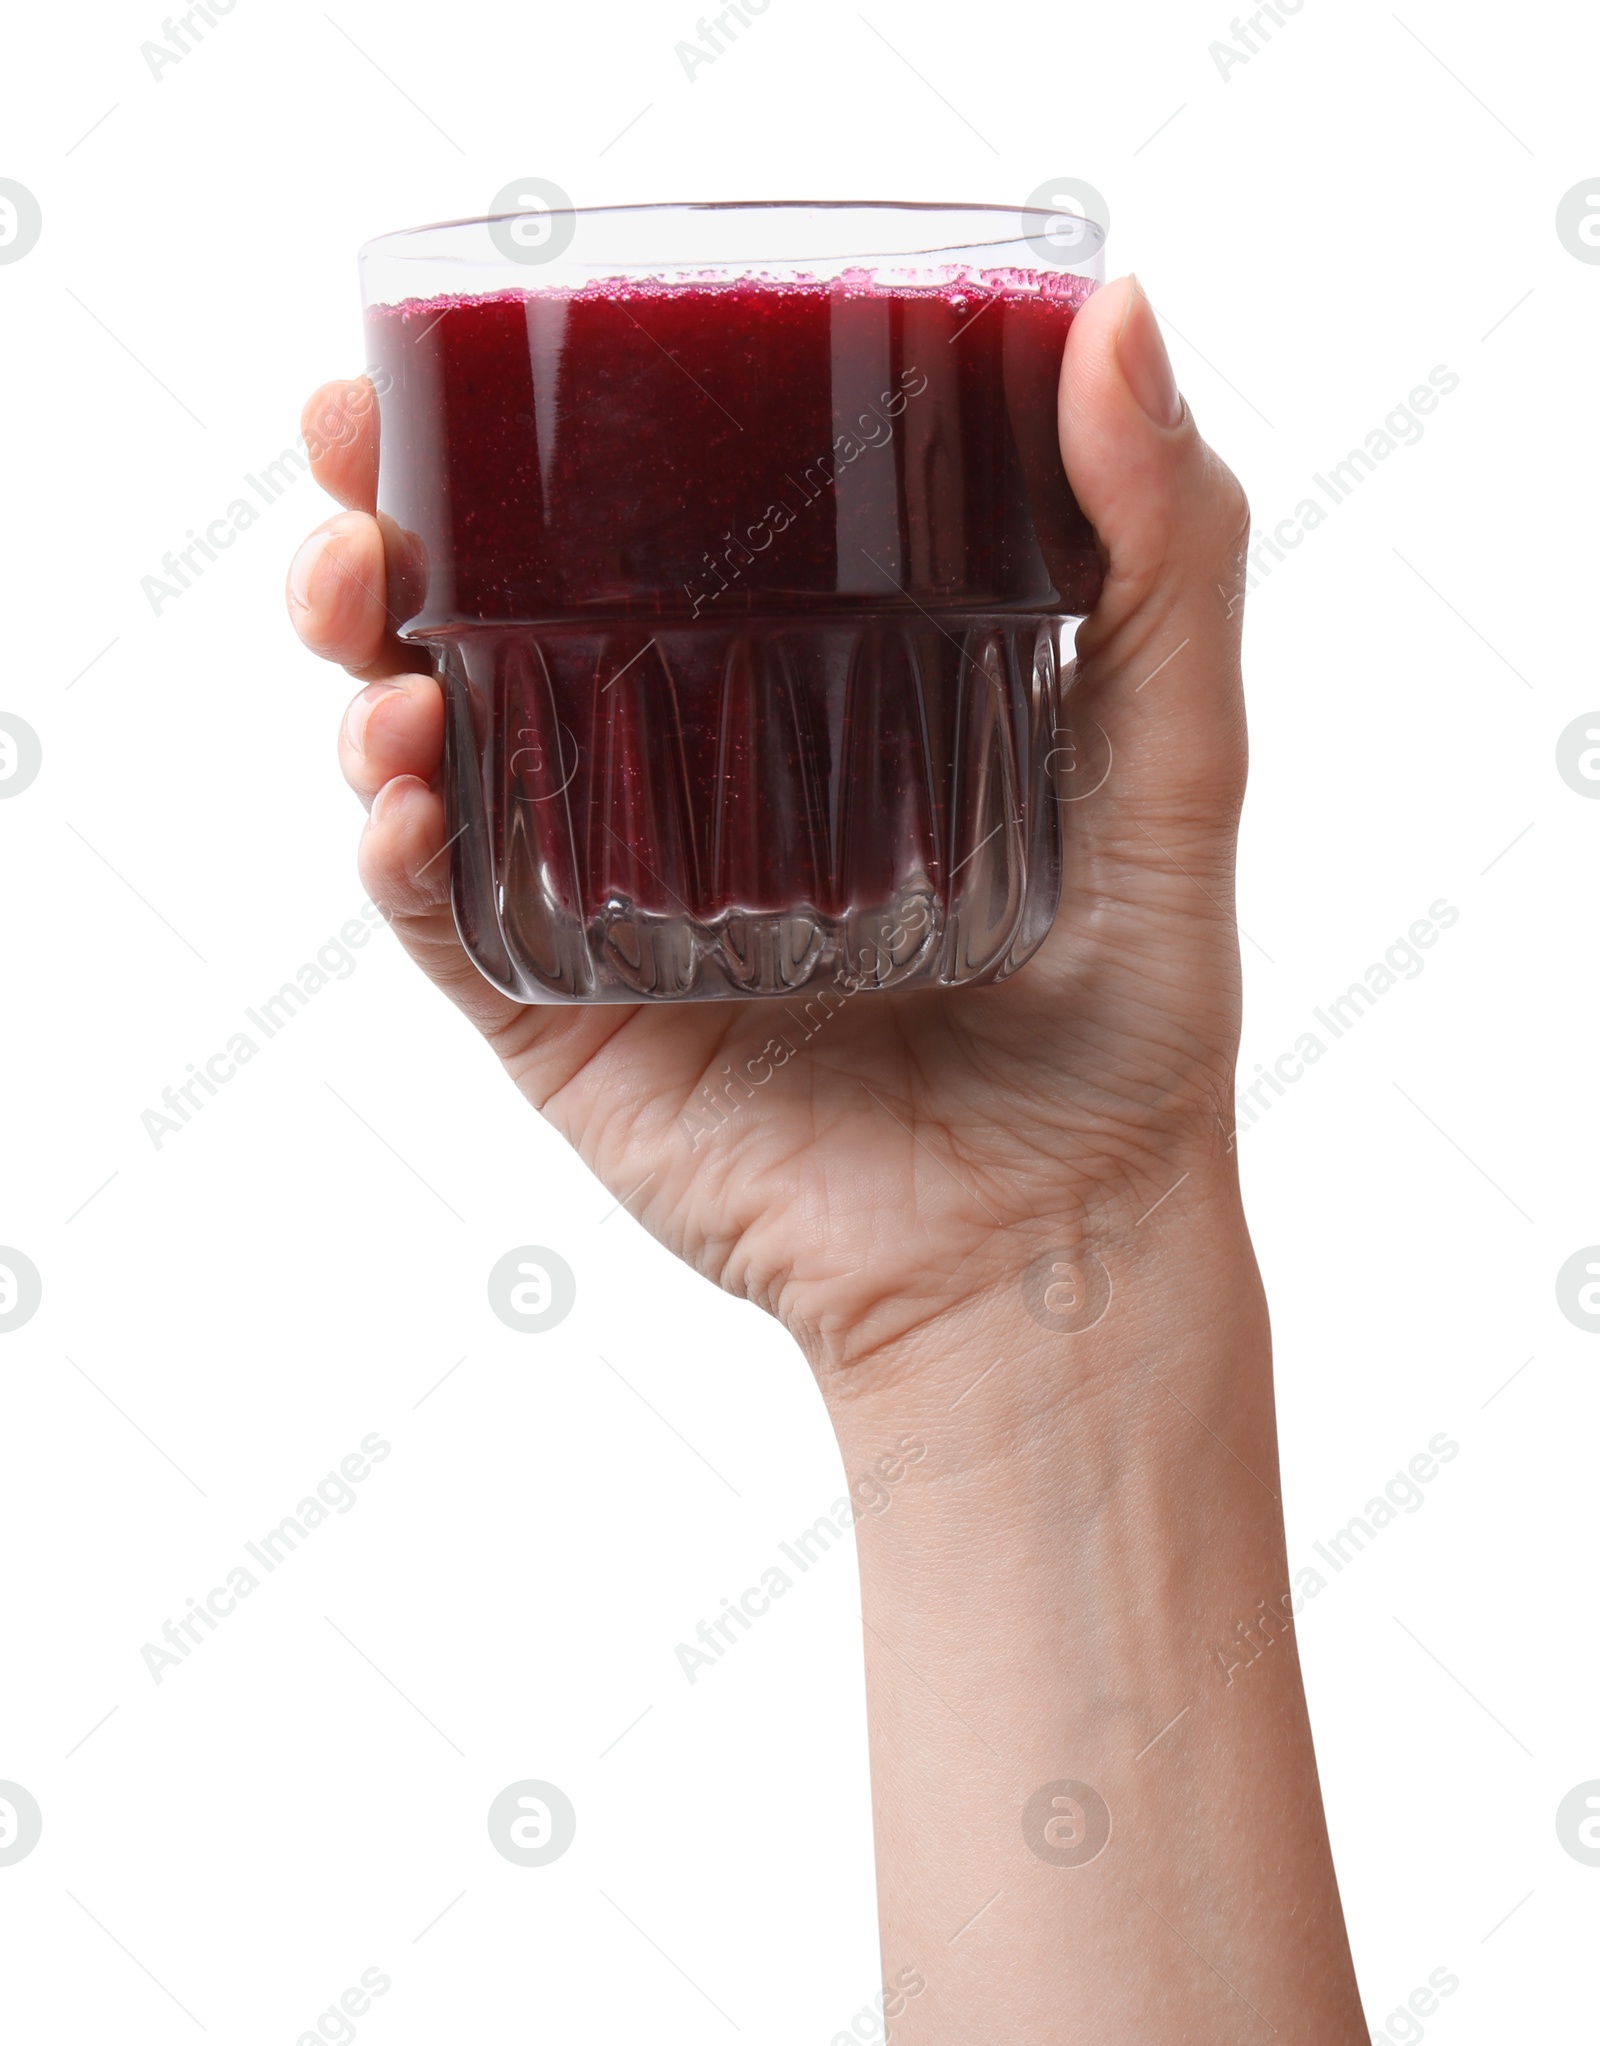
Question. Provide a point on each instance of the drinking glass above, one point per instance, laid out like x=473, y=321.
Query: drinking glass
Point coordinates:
x=739, y=538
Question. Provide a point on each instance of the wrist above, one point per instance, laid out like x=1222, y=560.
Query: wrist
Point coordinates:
x=1019, y=1480
x=1078, y=1321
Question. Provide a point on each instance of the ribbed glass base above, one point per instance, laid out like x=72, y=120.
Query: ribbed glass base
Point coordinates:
x=710, y=811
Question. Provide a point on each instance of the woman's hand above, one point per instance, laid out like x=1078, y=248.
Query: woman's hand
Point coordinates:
x=918, y=1152
x=1005, y=1225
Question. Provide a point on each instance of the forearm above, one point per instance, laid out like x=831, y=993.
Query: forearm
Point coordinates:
x=1044, y=1603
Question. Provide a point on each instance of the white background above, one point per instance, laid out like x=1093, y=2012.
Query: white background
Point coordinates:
x=1366, y=198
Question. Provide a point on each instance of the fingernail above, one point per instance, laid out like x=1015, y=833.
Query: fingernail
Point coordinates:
x=1145, y=362
x=304, y=567
x=391, y=792
x=358, y=716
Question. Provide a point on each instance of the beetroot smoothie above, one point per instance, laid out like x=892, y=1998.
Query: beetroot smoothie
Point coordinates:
x=747, y=599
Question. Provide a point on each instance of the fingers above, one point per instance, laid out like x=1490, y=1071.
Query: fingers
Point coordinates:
x=393, y=727
x=349, y=580
x=1159, y=659
x=404, y=862
x=337, y=591
x=350, y=575
x=340, y=424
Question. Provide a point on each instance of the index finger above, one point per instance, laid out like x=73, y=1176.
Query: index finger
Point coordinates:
x=340, y=425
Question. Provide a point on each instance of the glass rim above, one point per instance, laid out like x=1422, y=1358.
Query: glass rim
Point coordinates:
x=403, y=244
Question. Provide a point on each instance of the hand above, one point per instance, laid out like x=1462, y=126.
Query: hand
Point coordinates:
x=1060, y=1591
x=920, y=1150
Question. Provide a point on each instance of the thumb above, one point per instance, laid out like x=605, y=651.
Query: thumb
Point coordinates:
x=1158, y=659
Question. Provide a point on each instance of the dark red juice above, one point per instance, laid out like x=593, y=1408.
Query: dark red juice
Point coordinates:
x=746, y=597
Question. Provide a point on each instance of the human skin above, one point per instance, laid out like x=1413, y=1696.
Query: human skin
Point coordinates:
x=1098, y=1507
